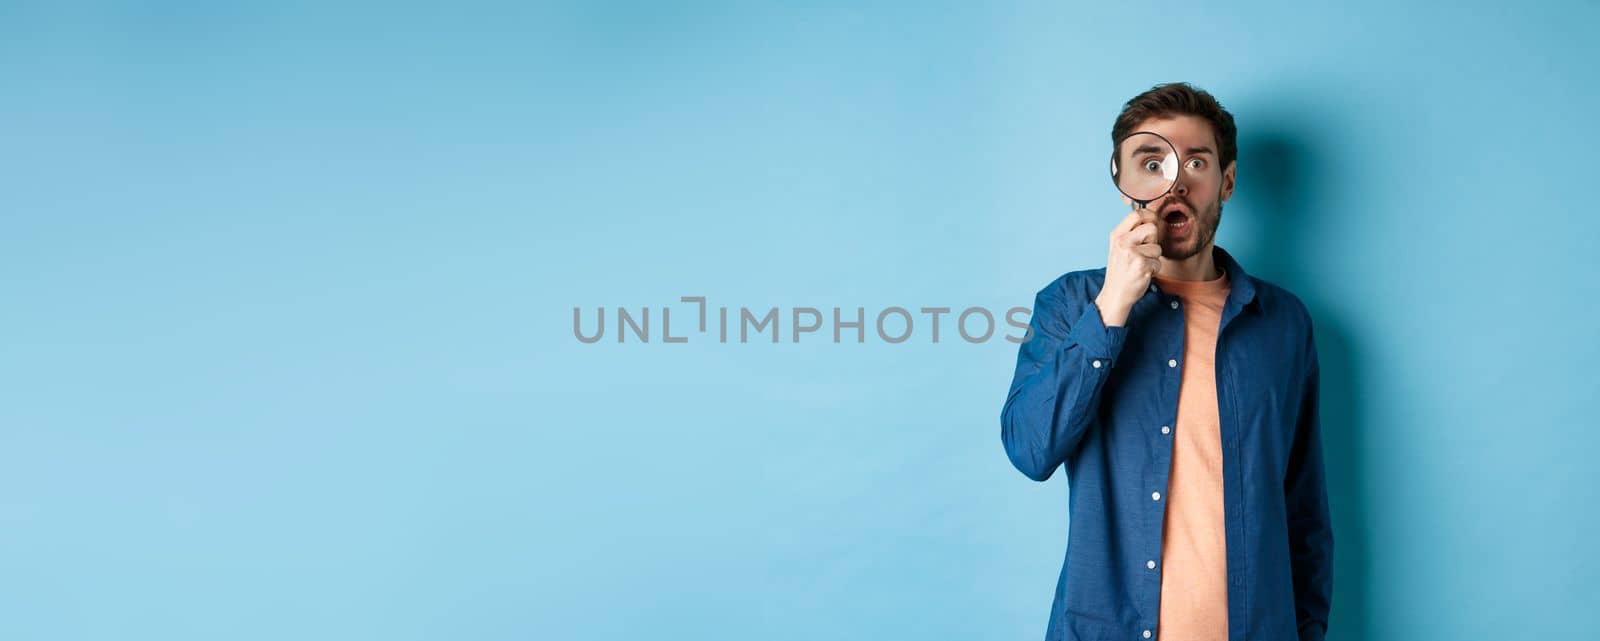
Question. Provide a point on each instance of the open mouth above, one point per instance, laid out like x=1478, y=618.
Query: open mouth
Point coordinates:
x=1178, y=220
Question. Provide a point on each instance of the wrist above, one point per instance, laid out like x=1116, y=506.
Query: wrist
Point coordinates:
x=1113, y=312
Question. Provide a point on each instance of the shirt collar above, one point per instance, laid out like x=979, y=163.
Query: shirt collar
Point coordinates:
x=1242, y=287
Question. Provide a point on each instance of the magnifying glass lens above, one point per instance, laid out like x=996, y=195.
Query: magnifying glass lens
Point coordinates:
x=1146, y=166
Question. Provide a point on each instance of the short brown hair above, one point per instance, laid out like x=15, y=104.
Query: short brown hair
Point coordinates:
x=1180, y=99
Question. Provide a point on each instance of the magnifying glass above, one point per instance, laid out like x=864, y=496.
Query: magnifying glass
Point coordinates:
x=1144, y=166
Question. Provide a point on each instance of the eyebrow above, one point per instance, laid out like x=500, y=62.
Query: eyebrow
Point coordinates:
x=1151, y=149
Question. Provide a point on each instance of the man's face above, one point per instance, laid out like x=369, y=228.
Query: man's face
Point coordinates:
x=1188, y=216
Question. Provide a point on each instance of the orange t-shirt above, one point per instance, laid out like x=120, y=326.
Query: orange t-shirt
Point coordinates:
x=1194, y=581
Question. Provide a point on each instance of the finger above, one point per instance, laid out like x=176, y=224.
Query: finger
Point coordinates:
x=1141, y=233
x=1148, y=250
x=1127, y=223
x=1154, y=265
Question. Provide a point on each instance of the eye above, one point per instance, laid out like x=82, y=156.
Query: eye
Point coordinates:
x=1152, y=165
x=1197, y=163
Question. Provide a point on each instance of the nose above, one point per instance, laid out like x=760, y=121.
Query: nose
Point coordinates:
x=1179, y=187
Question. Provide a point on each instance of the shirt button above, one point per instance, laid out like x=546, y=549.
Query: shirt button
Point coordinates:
x=1097, y=363
x=1155, y=496
x=1174, y=304
x=1150, y=564
x=1166, y=429
x=1146, y=634
x=1152, y=287
x=1172, y=362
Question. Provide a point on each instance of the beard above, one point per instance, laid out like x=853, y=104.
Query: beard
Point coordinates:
x=1206, y=222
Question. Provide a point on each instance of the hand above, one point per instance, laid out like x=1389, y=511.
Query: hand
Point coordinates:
x=1134, y=259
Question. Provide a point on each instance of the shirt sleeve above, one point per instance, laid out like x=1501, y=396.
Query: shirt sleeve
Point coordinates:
x=1310, y=529
x=1062, y=367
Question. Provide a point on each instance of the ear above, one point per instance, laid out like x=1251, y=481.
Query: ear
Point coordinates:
x=1227, y=179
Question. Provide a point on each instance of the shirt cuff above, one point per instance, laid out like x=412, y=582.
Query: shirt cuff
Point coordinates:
x=1091, y=334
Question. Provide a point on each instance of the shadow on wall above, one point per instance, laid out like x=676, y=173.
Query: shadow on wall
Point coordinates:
x=1280, y=178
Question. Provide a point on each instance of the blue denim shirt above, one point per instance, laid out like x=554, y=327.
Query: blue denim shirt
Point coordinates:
x=1095, y=398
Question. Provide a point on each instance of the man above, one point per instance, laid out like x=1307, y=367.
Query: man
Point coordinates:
x=1181, y=394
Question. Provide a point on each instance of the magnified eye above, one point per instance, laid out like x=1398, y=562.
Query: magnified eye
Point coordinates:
x=1152, y=165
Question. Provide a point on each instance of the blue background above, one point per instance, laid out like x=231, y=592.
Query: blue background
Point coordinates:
x=287, y=346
